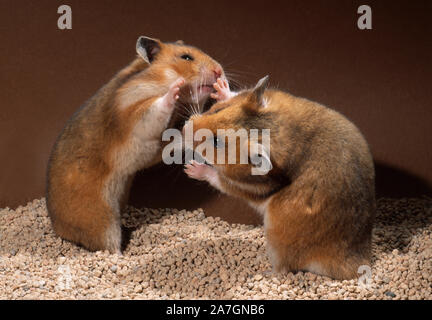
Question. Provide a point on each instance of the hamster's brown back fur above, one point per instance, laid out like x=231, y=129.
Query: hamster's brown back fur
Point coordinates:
x=318, y=200
x=116, y=133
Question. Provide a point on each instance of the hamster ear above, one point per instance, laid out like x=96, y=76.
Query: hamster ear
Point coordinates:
x=181, y=42
x=259, y=90
x=147, y=48
x=256, y=99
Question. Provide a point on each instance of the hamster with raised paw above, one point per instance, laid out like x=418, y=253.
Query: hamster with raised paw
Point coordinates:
x=317, y=196
x=116, y=133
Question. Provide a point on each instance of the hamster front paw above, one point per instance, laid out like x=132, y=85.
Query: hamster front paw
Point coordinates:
x=199, y=171
x=223, y=91
x=170, y=98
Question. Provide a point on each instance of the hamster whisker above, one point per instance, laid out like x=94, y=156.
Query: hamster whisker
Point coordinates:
x=197, y=106
x=184, y=113
x=194, y=109
x=230, y=63
x=234, y=75
x=200, y=91
x=201, y=86
x=232, y=79
x=235, y=83
x=239, y=72
x=194, y=97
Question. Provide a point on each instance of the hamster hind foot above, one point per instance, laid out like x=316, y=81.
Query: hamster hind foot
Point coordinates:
x=97, y=233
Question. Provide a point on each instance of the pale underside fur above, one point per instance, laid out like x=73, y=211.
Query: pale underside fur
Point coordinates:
x=139, y=153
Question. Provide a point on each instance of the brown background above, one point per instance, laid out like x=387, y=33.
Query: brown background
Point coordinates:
x=380, y=79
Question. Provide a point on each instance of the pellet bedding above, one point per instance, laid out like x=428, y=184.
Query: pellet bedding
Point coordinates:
x=185, y=255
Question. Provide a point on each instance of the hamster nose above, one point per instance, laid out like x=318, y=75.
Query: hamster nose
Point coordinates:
x=217, y=72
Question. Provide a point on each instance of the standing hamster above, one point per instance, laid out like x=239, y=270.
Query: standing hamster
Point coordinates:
x=318, y=194
x=116, y=133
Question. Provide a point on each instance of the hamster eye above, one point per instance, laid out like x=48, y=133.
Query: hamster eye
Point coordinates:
x=187, y=57
x=218, y=143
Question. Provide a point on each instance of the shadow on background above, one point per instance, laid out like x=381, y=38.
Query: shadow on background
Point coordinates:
x=168, y=187
x=396, y=183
